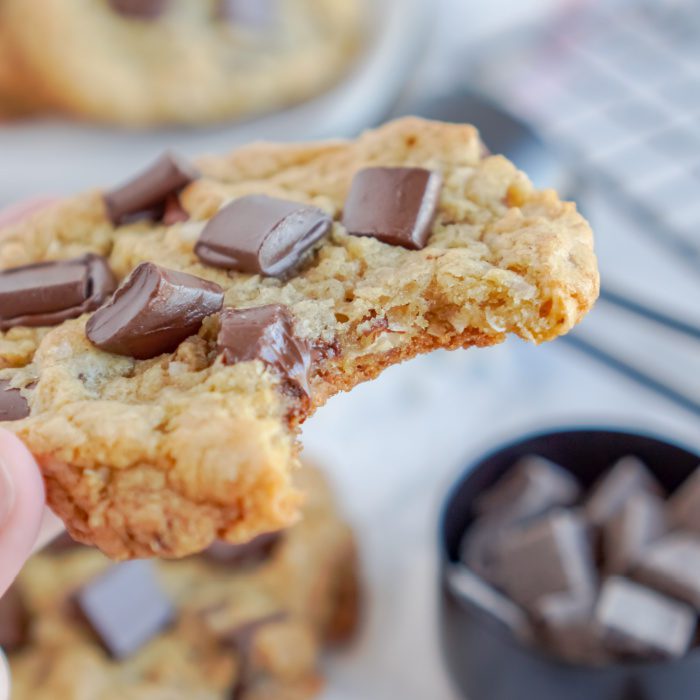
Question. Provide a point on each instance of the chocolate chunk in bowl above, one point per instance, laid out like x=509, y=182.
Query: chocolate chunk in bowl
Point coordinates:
x=48, y=293
x=153, y=311
x=564, y=660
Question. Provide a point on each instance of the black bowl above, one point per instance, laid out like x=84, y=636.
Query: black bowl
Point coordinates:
x=485, y=661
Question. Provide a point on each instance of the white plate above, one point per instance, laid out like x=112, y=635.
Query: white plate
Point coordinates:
x=59, y=157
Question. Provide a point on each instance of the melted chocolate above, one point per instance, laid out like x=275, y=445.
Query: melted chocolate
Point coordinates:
x=265, y=333
x=153, y=311
x=261, y=234
x=145, y=196
x=48, y=293
x=13, y=406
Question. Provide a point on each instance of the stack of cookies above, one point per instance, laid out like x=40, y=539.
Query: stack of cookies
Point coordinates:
x=149, y=62
x=237, y=621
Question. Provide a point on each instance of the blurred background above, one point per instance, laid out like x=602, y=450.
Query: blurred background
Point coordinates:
x=600, y=99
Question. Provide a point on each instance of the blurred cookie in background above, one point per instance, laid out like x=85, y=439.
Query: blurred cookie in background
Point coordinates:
x=246, y=622
x=150, y=62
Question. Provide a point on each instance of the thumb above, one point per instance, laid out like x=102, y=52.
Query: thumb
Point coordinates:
x=21, y=506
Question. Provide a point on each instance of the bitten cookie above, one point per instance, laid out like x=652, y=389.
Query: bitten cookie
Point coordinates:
x=146, y=62
x=245, y=622
x=249, y=293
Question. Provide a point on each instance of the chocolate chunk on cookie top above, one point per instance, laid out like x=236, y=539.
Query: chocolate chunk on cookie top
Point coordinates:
x=140, y=9
x=153, y=311
x=265, y=333
x=13, y=406
x=125, y=607
x=262, y=235
x=46, y=294
x=395, y=205
x=146, y=194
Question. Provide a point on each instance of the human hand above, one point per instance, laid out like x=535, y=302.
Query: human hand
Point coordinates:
x=25, y=523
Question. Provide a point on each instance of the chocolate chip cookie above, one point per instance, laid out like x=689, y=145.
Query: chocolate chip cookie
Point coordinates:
x=143, y=62
x=245, y=622
x=249, y=291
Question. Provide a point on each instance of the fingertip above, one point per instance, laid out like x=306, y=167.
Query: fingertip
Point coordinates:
x=19, y=530
x=16, y=212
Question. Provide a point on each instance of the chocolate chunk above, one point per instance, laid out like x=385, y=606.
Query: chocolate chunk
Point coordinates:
x=569, y=630
x=14, y=620
x=141, y=9
x=641, y=623
x=549, y=555
x=174, y=213
x=63, y=543
x=145, y=196
x=626, y=535
x=13, y=406
x=531, y=487
x=684, y=504
x=265, y=333
x=261, y=234
x=48, y=293
x=480, y=548
x=471, y=589
x=251, y=13
x=125, y=607
x=672, y=566
x=241, y=638
x=609, y=493
x=153, y=311
x=395, y=205
x=255, y=552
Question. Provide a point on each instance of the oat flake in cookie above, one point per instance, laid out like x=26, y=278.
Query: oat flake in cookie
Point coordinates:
x=160, y=455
